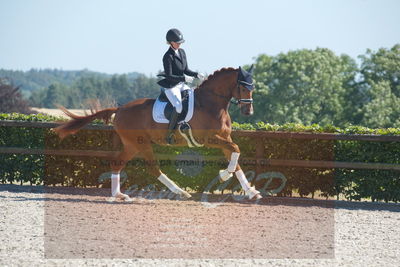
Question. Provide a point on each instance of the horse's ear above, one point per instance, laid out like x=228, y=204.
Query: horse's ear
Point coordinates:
x=251, y=69
x=243, y=73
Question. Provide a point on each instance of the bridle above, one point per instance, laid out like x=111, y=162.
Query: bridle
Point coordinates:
x=247, y=101
x=235, y=101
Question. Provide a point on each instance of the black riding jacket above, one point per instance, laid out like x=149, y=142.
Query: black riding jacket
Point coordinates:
x=175, y=67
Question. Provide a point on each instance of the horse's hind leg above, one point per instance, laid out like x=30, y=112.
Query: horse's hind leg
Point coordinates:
x=117, y=164
x=154, y=169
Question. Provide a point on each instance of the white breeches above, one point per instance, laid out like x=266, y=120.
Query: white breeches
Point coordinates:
x=174, y=95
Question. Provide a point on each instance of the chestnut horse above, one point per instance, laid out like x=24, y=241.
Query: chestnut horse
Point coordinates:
x=137, y=130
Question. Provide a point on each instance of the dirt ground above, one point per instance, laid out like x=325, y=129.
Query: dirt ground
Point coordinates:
x=67, y=226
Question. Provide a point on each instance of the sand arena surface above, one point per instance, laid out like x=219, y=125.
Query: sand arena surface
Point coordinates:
x=67, y=226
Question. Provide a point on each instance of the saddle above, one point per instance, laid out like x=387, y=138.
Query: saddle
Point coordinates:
x=169, y=108
x=162, y=111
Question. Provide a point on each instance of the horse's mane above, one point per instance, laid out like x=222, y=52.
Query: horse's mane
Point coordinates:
x=213, y=76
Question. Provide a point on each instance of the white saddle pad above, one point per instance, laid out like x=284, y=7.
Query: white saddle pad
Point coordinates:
x=158, y=109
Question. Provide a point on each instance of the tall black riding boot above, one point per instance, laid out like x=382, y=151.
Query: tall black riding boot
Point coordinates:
x=171, y=127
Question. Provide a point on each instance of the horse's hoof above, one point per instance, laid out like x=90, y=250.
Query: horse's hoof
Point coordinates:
x=252, y=193
x=128, y=199
x=184, y=195
x=111, y=199
x=255, y=197
x=258, y=197
x=124, y=197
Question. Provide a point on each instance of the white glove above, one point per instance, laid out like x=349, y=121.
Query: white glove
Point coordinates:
x=200, y=76
x=188, y=79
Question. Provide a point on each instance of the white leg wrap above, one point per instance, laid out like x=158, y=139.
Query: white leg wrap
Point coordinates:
x=224, y=175
x=251, y=192
x=234, y=161
x=242, y=180
x=172, y=186
x=115, y=189
x=168, y=183
x=115, y=186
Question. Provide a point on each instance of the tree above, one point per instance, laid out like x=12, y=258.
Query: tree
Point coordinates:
x=380, y=73
x=383, y=65
x=382, y=110
x=118, y=89
x=354, y=96
x=122, y=90
x=303, y=86
x=143, y=86
x=37, y=97
x=11, y=99
x=56, y=95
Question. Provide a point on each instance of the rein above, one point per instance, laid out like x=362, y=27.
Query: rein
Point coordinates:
x=214, y=93
x=247, y=101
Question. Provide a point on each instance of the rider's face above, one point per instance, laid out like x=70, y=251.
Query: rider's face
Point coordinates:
x=175, y=45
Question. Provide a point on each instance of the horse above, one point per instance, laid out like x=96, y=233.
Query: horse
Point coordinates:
x=137, y=129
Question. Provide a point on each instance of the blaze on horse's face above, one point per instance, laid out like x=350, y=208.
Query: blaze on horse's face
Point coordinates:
x=245, y=91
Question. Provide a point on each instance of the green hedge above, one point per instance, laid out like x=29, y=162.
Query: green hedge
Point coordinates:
x=199, y=175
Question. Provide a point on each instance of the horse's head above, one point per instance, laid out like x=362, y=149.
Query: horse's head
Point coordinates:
x=244, y=91
x=228, y=83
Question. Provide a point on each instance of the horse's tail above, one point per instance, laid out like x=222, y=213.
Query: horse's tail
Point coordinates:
x=77, y=122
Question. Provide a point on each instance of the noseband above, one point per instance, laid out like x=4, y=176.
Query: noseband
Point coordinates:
x=247, y=101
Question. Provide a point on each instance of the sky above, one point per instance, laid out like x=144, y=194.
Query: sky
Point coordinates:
x=121, y=36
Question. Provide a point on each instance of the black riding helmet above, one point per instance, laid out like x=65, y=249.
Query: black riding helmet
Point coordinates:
x=174, y=35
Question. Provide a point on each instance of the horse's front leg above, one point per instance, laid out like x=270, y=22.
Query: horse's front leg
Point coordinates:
x=232, y=153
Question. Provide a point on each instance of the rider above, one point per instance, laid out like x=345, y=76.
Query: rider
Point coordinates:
x=176, y=73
